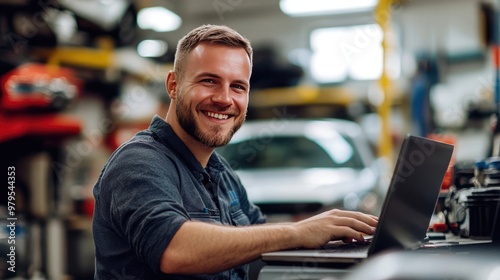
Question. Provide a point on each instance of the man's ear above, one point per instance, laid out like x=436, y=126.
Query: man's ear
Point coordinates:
x=171, y=84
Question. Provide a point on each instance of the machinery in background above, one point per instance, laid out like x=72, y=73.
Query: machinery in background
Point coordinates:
x=32, y=98
x=471, y=202
x=38, y=86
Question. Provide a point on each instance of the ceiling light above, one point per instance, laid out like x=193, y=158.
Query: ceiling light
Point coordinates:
x=324, y=7
x=152, y=48
x=158, y=19
x=105, y=14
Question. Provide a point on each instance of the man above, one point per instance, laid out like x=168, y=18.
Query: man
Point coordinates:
x=168, y=207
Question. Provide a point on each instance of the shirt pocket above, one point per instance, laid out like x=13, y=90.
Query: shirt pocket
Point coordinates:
x=204, y=217
x=238, y=217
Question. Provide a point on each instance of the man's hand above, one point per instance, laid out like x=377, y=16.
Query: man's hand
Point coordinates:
x=335, y=225
x=200, y=247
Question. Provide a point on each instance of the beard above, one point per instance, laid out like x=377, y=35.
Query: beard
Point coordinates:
x=213, y=136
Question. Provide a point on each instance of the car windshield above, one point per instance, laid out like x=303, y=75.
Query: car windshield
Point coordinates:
x=289, y=152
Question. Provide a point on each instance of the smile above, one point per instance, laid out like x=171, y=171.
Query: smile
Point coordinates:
x=217, y=115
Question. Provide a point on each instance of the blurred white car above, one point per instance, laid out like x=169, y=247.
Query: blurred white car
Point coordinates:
x=297, y=166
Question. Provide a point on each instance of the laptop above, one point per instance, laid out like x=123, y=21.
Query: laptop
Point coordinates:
x=406, y=211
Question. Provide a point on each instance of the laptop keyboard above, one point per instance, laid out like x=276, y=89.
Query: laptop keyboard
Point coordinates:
x=353, y=247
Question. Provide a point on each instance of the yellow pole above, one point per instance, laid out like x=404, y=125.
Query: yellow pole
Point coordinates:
x=383, y=18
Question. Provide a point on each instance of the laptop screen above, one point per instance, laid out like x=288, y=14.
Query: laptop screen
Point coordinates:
x=412, y=194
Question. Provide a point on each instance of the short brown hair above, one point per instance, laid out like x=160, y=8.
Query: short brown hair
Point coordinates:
x=213, y=34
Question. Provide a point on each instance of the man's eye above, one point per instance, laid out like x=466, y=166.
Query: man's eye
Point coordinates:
x=210, y=81
x=239, y=87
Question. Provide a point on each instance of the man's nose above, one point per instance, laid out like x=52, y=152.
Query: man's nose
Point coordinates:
x=223, y=96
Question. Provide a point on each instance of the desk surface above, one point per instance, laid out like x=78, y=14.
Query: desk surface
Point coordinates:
x=453, y=241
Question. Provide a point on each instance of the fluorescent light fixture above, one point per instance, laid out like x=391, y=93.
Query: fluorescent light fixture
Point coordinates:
x=349, y=52
x=158, y=19
x=105, y=14
x=323, y=7
x=152, y=48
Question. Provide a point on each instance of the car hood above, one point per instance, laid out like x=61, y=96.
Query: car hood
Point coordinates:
x=320, y=185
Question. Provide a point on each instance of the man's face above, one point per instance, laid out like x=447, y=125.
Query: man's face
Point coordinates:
x=212, y=95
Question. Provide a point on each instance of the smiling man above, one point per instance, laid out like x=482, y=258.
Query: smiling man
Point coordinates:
x=168, y=207
x=210, y=94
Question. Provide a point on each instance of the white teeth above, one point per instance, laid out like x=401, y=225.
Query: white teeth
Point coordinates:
x=217, y=116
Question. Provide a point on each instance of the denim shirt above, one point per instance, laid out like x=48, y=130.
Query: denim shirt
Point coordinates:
x=149, y=187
